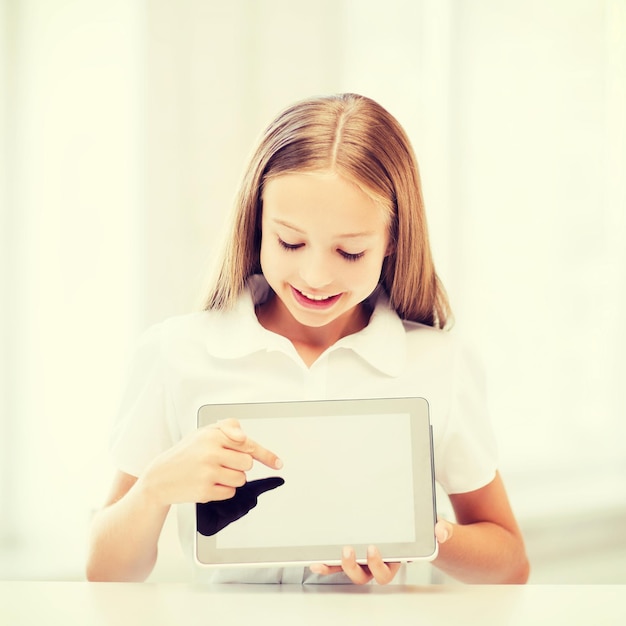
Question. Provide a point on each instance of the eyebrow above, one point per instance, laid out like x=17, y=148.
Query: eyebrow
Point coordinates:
x=367, y=233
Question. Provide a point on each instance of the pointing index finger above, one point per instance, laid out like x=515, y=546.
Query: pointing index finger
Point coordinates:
x=239, y=441
x=261, y=454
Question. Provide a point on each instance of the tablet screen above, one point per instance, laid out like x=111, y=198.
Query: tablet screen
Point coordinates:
x=332, y=491
x=355, y=472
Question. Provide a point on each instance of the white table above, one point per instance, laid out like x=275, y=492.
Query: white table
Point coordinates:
x=121, y=604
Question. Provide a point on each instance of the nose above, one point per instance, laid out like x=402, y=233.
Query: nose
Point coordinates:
x=316, y=270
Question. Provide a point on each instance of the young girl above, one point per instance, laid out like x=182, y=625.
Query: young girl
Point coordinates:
x=326, y=290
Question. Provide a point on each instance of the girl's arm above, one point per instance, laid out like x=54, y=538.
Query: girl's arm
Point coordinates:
x=125, y=533
x=485, y=545
x=207, y=465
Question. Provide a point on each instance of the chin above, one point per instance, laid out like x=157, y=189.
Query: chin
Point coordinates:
x=312, y=321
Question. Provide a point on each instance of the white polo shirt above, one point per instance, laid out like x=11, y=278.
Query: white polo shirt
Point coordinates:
x=218, y=357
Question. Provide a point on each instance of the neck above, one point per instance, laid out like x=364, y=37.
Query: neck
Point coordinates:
x=310, y=341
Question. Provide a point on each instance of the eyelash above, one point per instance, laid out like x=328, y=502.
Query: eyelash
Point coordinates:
x=346, y=255
x=351, y=257
x=289, y=246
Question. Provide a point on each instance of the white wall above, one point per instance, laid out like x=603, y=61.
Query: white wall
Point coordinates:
x=126, y=128
x=539, y=207
x=73, y=259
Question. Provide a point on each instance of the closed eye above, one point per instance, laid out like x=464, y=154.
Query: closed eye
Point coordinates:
x=350, y=257
x=289, y=246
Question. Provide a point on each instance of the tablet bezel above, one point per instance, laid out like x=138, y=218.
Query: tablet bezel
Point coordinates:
x=425, y=547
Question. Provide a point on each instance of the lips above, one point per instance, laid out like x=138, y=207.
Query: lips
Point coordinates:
x=314, y=301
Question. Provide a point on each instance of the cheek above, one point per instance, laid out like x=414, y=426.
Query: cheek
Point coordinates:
x=266, y=264
x=272, y=261
x=368, y=272
x=263, y=260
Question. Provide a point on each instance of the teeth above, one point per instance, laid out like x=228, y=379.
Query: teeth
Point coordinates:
x=316, y=298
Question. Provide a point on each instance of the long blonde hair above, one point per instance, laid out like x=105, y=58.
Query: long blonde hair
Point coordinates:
x=360, y=140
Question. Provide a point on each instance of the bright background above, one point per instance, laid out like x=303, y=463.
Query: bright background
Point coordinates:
x=125, y=126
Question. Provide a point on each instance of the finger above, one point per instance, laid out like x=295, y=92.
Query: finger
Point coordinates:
x=258, y=452
x=236, y=439
x=230, y=478
x=234, y=459
x=325, y=570
x=382, y=572
x=232, y=429
x=219, y=493
x=357, y=574
x=443, y=530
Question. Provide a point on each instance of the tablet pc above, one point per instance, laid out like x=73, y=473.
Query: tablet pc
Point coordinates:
x=355, y=472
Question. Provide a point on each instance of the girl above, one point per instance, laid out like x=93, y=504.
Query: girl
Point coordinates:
x=326, y=289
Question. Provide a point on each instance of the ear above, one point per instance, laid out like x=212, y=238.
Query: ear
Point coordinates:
x=391, y=247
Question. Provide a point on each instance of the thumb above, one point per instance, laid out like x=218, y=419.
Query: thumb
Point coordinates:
x=443, y=530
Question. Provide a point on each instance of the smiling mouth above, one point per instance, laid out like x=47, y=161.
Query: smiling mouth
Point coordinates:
x=312, y=300
x=310, y=296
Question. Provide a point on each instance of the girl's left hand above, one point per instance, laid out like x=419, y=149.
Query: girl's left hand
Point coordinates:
x=376, y=568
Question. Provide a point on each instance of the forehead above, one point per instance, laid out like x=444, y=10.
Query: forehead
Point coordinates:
x=321, y=196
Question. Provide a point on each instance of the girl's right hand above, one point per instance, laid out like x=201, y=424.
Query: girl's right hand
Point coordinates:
x=207, y=465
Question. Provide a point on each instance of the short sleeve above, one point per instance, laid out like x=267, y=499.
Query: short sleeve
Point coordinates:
x=144, y=424
x=466, y=457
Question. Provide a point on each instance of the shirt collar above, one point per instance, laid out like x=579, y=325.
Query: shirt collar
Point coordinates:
x=382, y=343
x=235, y=333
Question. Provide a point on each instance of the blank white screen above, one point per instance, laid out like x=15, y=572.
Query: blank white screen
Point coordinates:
x=348, y=480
